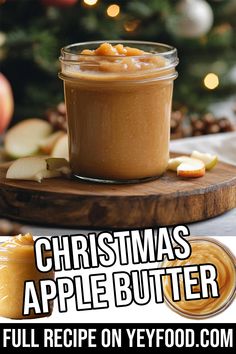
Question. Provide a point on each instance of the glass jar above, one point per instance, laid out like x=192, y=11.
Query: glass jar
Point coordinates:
x=17, y=265
x=118, y=110
x=205, y=250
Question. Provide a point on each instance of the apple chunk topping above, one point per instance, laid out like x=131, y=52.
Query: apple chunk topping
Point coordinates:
x=38, y=168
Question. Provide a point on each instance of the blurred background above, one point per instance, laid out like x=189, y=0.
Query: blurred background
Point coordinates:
x=32, y=33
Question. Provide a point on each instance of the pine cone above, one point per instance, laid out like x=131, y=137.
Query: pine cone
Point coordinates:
x=57, y=117
x=226, y=125
x=209, y=124
x=176, y=125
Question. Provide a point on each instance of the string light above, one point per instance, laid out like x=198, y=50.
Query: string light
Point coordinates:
x=90, y=2
x=222, y=29
x=113, y=10
x=211, y=81
x=131, y=26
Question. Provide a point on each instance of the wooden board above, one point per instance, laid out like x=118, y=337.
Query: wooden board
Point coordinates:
x=168, y=200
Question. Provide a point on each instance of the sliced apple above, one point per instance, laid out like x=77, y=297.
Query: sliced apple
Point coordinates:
x=191, y=168
x=208, y=159
x=61, y=148
x=47, y=144
x=36, y=168
x=46, y=174
x=58, y=164
x=26, y=168
x=23, y=139
x=176, y=161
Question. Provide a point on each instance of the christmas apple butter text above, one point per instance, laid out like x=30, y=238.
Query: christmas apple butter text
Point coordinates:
x=96, y=289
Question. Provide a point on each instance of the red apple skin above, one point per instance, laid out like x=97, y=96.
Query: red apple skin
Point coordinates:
x=191, y=174
x=59, y=3
x=6, y=103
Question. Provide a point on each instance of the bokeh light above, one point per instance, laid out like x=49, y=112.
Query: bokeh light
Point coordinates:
x=90, y=2
x=131, y=26
x=211, y=81
x=113, y=10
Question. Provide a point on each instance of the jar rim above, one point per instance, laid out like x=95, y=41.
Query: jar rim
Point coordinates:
x=72, y=62
x=169, y=50
x=211, y=239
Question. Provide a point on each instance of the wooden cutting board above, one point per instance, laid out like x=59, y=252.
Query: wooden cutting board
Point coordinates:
x=168, y=200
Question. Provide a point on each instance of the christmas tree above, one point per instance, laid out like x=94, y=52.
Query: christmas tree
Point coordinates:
x=33, y=32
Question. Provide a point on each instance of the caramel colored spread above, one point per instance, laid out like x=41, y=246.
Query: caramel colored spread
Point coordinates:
x=204, y=251
x=118, y=49
x=17, y=264
x=118, y=103
x=21, y=246
x=119, y=58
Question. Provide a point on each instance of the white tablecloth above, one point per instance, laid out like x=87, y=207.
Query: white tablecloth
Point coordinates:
x=224, y=145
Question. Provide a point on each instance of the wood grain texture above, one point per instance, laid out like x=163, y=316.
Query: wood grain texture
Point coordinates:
x=168, y=200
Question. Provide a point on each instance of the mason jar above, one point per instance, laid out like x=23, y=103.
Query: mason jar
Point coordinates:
x=118, y=109
x=17, y=265
x=204, y=250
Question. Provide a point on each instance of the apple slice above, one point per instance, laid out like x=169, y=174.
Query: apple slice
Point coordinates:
x=47, y=144
x=26, y=168
x=36, y=168
x=191, y=168
x=176, y=161
x=209, y=160
x=61, y=148
x=46, y=174
x=23, y=139
x=58, y=164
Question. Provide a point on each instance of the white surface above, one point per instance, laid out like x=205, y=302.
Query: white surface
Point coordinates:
x=224, y=145
x=151, y=313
